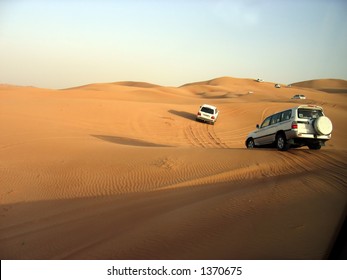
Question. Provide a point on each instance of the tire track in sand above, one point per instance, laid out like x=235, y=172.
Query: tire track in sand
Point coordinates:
x=203, y=135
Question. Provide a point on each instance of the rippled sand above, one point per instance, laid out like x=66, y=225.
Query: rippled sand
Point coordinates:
x=123, y=171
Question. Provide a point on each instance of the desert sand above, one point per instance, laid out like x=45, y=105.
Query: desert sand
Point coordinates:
x=123, y=171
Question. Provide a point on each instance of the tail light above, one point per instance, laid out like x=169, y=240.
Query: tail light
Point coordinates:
x=294, y=125
x=212, y=117
x=199, y=114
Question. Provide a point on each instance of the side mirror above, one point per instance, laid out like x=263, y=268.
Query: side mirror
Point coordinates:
x=257, y=126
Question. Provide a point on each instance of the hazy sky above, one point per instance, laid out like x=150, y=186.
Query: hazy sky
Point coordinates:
x=61, y=43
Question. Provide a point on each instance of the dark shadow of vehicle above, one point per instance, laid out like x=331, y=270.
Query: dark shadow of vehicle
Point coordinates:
x=183, y=114
x=339, y=247
x=128, y=141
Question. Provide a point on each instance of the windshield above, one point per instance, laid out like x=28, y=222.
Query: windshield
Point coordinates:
x=309, y=113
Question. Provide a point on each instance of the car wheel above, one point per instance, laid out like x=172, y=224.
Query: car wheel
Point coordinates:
x=314, y=146
x=281, y=142
x=250, y=143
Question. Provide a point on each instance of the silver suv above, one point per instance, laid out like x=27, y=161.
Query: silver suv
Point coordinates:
x=304, y=125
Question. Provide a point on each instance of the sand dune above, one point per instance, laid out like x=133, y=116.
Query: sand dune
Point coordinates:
x=327, y=85
x=123, y=171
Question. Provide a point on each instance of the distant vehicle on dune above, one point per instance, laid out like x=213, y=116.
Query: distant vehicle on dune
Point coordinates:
x=207, y=113
x=299, y=96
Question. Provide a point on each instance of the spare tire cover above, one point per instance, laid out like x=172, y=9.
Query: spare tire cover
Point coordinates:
x=323, y=125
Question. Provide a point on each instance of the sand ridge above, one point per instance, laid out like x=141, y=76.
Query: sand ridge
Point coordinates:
x=123, y=171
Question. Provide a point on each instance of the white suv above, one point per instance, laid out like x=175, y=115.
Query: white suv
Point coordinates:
x=304, y=125
x=207, y=113
x=299, y=96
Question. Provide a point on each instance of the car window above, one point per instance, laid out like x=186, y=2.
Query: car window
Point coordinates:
x=275, y=118
x=207, y=110
x=305, y=113
x=286, y=115
x=266, y=122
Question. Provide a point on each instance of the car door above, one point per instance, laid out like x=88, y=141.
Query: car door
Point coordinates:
x=273, y=128
x=261, y=135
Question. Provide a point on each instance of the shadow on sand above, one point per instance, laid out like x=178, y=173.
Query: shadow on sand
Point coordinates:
x=128, y=141
x=183, y=114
